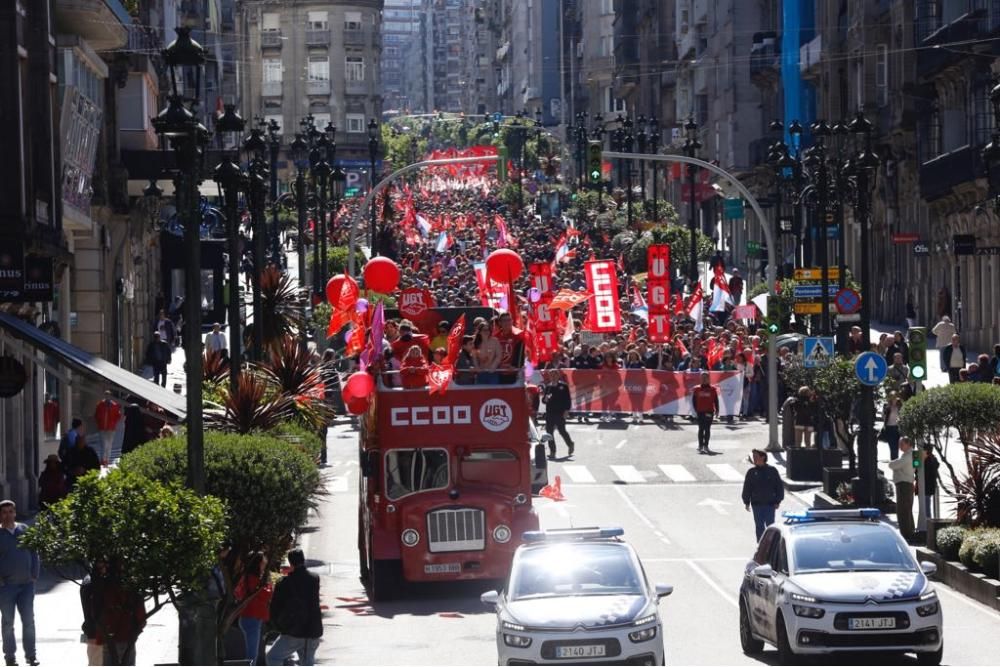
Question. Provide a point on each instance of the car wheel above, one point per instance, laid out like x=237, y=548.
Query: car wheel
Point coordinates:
x=785, y=654
x=932, y=657
x=384, y=580
x=750, y=644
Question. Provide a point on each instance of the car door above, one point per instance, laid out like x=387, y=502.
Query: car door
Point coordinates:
x=756, y=585
x=773, y=587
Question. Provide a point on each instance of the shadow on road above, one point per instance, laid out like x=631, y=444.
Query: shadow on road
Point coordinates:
x=449, y=600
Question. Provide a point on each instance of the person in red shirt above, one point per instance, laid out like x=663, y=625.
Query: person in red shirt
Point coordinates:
x=511, y=341
x=408, y=338
x=706, y=405
x=107, y=416
x=414, y=369
x=257, y=610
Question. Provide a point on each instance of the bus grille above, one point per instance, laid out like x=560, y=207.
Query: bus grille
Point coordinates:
x=456, y=530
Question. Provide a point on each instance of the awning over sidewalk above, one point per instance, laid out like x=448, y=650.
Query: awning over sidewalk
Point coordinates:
x=97, y=369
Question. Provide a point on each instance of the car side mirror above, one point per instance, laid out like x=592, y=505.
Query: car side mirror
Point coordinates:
x=490, y=598
x=763, y=571
x=369, y=464
x=928, y=568
x=663, y=590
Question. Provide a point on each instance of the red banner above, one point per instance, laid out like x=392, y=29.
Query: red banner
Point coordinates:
x=658, y=293
x=566, y=299
x=648, y=392
x=541, y=277
x=493, y=416
x=605, y=312
x=658, y=262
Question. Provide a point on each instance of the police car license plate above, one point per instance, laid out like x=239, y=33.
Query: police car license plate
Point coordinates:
x=876, y=623
x=443, y=568
x=584, y=651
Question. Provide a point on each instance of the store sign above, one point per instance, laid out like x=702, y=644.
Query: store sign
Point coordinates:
x=38, y=278
x=11, y=269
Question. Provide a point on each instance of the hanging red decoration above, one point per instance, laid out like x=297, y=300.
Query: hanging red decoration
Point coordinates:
x=504, y=266
x=381, y=275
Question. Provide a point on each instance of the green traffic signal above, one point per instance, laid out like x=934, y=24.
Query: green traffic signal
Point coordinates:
x=594, y=158
x=917, y=340
x=772, y=327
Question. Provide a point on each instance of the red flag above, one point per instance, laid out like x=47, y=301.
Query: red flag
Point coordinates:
x=679, y=344
x=565, y=299
x=693, y=300
x=621, y=262
x=678, y=304
x=356, y=341
x=438, y=378
x=720, y=278
x=349, y=293
x=455, y=339
x=715, y=351
x=631, y=336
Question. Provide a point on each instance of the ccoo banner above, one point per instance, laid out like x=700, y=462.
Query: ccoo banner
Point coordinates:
x=605, y=311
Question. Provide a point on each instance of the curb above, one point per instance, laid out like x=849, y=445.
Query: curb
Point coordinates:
x=777, y=459
x=977, y=586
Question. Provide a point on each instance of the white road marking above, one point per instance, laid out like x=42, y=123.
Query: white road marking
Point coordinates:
x=621, y=444
x=711, y=582
x=710, y=559
x=578, y=474
x=725, y=472
x=689, y=485
x=629, y=474
x=642, y=517
x=966, y=601
x=676, y=473
x=717, y=505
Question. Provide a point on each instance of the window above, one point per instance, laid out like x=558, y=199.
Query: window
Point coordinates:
x=319, y=68
x=607, y=7
x=764, y=546
x=272, y=70
x=611, y=103
x=607, y=45
x=592, y=569
x=491, y=467
x=356, y=123
x=318, y=21
x=271, y=22
x=861, y=546
x=409, y=471
x=352, y=20
x=277, y=118
x=354, y=68
x=882, y=74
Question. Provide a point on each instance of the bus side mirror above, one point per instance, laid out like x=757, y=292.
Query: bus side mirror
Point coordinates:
x=369, y=464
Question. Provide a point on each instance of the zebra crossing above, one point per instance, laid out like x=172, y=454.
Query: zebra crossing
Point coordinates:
x=665, y=473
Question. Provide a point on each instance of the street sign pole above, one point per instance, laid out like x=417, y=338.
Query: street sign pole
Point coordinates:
x=921, y=480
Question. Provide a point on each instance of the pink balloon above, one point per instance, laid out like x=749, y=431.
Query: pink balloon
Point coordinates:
x=534, y=295
x=361, y=306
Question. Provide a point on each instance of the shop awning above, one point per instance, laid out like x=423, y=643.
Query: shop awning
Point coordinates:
x=98, y=370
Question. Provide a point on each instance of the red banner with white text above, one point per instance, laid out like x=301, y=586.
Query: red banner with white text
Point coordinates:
x=605, y=311
x=658, y=292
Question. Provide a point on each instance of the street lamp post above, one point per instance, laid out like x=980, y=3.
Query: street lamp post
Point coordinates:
x=654, y=147
x=372, y=154
x=255, y=147
x=991, y=152
x=329, y=142
x=598, y=135
x=691, y=146
x=643, y=143
x=627, y=143
x=232, y=181
x=320, y=170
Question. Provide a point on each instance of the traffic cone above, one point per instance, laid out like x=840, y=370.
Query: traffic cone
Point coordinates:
x=553, y=491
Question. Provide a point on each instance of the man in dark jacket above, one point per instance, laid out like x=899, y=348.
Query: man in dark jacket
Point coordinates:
x=762, y=491
x=295, y=612
x=953, y=358
x=557, y=404
x=19, y=570
x=158, y=356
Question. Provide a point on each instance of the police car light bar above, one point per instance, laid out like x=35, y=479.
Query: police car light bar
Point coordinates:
x=805, y=516
x=563, y=534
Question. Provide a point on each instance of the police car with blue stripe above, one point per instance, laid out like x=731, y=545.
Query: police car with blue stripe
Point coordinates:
x=824, y=581
x=578, y=596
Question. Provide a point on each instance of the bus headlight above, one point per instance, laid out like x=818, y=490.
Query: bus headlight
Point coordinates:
x=410, y=537
x=501, y=534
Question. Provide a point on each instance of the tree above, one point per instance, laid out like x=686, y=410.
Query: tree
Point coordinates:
x=161, y=538
x=267, y=484
x=282, y=305
x=677, y=237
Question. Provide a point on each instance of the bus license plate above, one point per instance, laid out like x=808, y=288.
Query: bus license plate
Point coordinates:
x=585, y=651
x=877, y=623
x=443, y=568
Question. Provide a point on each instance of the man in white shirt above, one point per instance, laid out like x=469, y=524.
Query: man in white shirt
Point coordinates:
x=953, y=358
x=903, y=478
x=216, y=341
x=944, y=330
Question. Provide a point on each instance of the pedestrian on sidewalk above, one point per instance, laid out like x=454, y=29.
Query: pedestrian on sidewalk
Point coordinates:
x=257, y=594
x=902, y=478
x=944, y=330
x=296, y=613
x=805, y=413
x=557, y=401
x=931, y=470
x=79, y=461
x=107, y=416
x=706, y=405
x=158, y=356
x=215, y=341
x=19, y=570
x=953, y=359
x=762, y=491
x=52, y=485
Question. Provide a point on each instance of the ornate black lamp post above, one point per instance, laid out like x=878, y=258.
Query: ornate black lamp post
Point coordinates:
x=297, y=200
x=643, y=143
x=654, y=147
x=273, y=131
x=691, y=146
x=991, y=152
x=372, y=155
x=627, y=144
x=319, y=168
x=257, y=189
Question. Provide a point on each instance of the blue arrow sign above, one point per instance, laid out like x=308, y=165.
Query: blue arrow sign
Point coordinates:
x=870, y=368
x=814, y=291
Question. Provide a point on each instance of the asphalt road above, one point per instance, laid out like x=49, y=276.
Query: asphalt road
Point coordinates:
x=680, y=510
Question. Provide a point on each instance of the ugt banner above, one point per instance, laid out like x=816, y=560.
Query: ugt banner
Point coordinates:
x=658, y=292
x=602, y=281
x=649, y=392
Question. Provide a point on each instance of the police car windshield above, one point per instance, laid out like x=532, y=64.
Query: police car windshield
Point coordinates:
x=847, y=547
x=410, y=471
x=573, y=569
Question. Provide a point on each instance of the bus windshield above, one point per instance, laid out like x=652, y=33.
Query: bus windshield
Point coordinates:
x=410, y=471
x=492, y=466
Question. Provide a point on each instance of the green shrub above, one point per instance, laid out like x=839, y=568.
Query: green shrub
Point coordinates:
x=949, y=541
x=301, y=436
x=968, y=548
x=986, y=554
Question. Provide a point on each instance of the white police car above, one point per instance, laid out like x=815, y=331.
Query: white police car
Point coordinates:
x=838, y=580
x=578, y=596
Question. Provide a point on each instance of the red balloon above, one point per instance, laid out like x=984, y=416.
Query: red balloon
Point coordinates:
x=357, y=406
x=359, y=385
x=381, y=275
x=504, y=266
x=333, y=288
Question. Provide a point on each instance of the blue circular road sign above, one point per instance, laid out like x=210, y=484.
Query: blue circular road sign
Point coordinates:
x=870, y=368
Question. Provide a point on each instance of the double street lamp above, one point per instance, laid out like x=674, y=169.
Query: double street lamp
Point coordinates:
x=372, y=155
x=691, y=146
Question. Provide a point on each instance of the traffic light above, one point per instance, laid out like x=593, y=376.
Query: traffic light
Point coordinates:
x=594, y=168
x=918, y=353
x=502, y=164
x=773, y=320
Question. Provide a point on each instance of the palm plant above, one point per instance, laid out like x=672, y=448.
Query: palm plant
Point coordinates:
x=296, y=373
x=282, y=306
x=215, y=367
x=255, y=406
x=977, y=493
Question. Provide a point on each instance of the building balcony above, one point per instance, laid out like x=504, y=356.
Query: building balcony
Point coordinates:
x=271, y=89
x=102, y=23
x=317, y=38
x=969, y=27
x=271, y=39
x=321, y=87
x=809, y=57
x=939, y=175
x=356, y=88
x=355, y=37
x=765, y=59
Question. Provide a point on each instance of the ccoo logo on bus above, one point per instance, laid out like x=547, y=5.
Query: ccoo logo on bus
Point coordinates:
x=495, y=415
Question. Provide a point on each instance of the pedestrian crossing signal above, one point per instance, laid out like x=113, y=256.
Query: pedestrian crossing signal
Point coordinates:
x=594, y=159
x=918, y=353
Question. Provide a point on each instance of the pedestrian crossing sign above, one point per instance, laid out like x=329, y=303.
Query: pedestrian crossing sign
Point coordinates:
x=817, y=352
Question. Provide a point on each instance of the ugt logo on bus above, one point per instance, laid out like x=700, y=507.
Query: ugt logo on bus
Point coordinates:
x=495, y=415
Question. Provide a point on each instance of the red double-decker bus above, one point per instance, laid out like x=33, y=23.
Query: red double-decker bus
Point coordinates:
x=446, y=487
